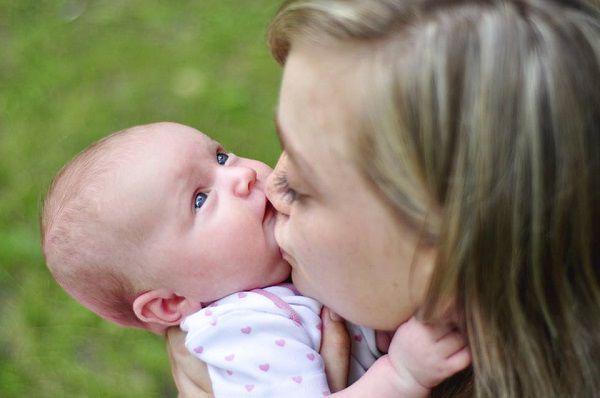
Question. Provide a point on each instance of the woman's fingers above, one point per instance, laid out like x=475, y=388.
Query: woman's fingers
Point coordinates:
x=189, y=373
x=335, y=350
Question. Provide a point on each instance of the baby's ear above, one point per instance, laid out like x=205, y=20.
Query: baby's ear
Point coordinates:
x=162, y=307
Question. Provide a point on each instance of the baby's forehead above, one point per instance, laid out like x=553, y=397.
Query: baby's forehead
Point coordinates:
x=147, y=153
x=172, y=148
x=181, y=138
x=170, y=142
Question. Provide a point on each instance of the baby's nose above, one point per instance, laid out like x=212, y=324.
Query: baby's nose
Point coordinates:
x=245, y=178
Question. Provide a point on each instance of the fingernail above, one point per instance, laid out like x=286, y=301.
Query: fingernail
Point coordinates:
x=333, y=316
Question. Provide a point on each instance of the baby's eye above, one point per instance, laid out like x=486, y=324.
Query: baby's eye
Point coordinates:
x=222, y=158
x=200, y=199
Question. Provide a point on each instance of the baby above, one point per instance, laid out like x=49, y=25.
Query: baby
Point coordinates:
x=158, y=225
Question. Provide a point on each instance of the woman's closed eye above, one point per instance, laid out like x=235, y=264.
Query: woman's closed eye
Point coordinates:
x=288, y=194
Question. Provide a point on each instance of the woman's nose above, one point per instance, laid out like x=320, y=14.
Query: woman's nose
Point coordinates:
x=244, y=180
x=274, y=190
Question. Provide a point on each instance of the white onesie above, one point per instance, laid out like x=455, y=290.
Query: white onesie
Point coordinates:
x=265, y=343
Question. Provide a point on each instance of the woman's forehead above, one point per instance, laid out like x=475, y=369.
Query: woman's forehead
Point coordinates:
x=319, y=104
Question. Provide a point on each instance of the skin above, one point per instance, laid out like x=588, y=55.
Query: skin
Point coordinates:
x=162, y=182
x=345, y=245
x=197, y=254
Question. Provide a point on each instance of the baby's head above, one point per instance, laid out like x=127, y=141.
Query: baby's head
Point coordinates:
x=149, y=223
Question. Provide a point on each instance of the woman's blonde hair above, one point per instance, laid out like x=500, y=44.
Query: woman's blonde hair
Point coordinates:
x=481, y=127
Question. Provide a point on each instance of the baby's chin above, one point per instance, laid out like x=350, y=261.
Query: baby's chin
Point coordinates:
x=282, y=273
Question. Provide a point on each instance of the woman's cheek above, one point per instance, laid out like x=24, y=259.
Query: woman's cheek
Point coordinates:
x=292, y=242
x=286, y=237
x=289, y=235
x=278, y=231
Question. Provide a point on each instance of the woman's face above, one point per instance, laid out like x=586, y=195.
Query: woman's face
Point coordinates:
x=346, y=247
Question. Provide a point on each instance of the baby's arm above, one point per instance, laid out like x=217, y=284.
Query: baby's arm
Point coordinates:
x=419, y=358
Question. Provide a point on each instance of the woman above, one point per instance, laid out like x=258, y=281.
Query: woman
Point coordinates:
x=442, y=158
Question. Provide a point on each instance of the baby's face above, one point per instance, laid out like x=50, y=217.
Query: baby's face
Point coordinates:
x=205, y=218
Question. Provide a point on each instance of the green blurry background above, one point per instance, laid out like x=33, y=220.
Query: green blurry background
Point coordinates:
x=72, y=71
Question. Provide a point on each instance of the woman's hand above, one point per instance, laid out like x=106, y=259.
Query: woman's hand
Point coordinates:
x=189, y=373
x=335, y=350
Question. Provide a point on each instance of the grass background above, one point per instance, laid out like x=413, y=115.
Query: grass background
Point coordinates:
x=71, y=71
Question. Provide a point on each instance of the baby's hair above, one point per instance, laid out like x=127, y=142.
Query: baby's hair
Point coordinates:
x=91, y=258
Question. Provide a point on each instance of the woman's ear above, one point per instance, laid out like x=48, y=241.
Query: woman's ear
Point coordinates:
x=162, y=307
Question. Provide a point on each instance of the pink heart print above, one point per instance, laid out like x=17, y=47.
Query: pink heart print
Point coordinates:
x=280, y=342
x=310, y=356
x=199, y=349
x=358, y=337
x=264, y=367
x=246, y=330
x=208, y=313
x=229, y=372
x=249, y=387
x=297, y=379
x=242, y=294
x=230, y=357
